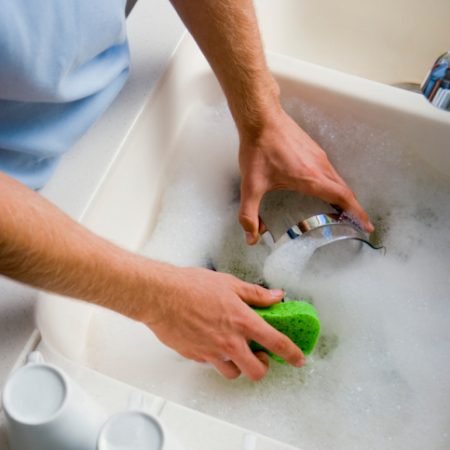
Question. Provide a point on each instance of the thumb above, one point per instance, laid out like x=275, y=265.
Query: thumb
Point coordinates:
x=248, y=213
x=255, y=295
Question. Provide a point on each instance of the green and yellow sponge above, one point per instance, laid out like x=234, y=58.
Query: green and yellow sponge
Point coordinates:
x=296, y=319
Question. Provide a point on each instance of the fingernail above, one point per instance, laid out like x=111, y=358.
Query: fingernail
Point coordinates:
x=300, y=363
x=368, y=227
x=249, y=238
x=276, y=293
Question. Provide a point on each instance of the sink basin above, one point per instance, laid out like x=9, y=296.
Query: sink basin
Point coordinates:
x=126, y=207
x=391, y=42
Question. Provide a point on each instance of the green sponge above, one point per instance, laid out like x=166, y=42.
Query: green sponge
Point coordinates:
x=296, y=319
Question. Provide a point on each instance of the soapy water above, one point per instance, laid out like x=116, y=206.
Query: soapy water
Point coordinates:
x=378, y=378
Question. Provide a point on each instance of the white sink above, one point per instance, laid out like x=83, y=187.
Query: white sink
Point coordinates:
x=391, y=42
x=126, y=208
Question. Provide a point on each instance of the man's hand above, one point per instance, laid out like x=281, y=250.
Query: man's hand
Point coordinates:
x=275, y=153
x=202, y=314
x=283, y=156
x=205, y=316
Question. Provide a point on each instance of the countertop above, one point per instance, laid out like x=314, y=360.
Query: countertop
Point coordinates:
x=154, y=30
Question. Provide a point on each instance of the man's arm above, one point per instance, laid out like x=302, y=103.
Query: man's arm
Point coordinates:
x=201, y=314
x=274, y=152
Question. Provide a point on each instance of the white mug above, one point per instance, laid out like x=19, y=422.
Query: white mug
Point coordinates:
x=46, y=410
x=135, y=429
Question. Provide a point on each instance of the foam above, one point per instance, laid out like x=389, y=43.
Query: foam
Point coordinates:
x=378, y=378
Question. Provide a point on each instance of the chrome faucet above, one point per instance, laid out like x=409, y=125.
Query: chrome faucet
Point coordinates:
x=436, y=87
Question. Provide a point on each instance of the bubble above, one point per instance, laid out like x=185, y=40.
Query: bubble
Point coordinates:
x=378, y=377
x=286, y=264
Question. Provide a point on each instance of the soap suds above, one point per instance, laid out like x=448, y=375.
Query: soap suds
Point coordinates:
x=379, y=376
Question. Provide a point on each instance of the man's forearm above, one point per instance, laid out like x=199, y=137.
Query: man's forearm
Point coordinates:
x=228, y=35
x=275, y=153
x=198, y=312
x=41, y=246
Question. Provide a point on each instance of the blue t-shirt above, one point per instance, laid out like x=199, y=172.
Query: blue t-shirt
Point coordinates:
x=62, y=63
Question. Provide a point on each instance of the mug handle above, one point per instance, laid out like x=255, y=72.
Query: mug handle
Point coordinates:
x=35, y=358
x=136, y=401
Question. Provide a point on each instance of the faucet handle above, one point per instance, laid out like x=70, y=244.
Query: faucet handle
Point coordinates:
x=436, y=87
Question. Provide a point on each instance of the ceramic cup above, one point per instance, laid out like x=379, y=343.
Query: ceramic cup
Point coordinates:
x=135, y=429
x=46, y=410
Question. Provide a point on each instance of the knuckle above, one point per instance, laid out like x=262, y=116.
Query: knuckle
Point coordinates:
x=229, y=279
x=321, y=157
x=242, y=325
x=189, y=355
x=245, y=220
x=256, y=291
x=341, y=195
x=281, y=346
x=199, y=359
x=228, y=282
x=230, y=347
x=314, y=185
x=348, y=193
